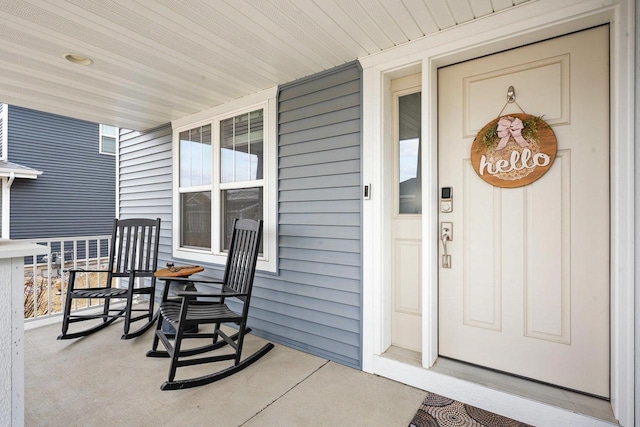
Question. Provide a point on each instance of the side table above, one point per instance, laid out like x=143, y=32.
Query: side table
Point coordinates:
x=182, y=271
x=169, y=272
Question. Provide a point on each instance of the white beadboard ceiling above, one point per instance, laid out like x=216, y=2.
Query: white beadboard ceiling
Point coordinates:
x=159, y=60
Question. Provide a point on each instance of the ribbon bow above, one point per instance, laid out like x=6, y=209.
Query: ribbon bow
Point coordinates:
x=507, y=127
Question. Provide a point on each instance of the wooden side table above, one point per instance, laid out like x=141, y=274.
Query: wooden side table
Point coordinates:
x=169, y=272
x=180, y=271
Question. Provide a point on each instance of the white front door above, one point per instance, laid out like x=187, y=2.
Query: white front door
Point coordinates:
x=528, y=287
x=406, y=247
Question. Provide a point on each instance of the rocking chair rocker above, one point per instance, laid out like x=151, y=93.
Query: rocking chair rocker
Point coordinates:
x=133, y=254
x=186, y=311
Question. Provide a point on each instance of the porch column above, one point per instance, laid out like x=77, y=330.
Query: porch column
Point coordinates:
x=12, y=255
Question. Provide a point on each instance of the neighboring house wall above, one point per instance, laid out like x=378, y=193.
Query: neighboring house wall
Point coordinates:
x=314, y=301
x=75, y=195
x=2, y=135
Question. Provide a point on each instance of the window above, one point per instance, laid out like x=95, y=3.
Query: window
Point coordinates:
x=409, y=168
x=108, y=139
x=225, y=168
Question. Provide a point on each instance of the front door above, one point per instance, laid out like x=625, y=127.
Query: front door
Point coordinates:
x=406, y=247
x=527, y=287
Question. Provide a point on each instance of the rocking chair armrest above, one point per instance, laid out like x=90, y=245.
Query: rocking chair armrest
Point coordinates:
x=209, y=294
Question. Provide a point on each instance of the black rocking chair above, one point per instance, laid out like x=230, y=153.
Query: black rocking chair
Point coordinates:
x=133, y=254
x=187, y=311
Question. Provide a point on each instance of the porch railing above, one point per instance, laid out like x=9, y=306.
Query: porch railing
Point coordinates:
x=45, y=279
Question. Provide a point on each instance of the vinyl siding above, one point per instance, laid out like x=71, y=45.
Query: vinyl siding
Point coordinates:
x=2, y=135
x=1, y=196
x=75, y=195
x=145, y=180
x=313, y=303
x=319, y=212
x=2, y=145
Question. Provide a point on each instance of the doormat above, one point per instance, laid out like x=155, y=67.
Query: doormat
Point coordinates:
x=439, y=411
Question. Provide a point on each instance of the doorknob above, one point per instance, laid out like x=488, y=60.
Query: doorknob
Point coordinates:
x=446, y=235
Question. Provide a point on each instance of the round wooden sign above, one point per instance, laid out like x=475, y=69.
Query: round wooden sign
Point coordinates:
x=514, y=150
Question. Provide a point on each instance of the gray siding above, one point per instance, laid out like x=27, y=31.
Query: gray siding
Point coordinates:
x=637, y=210
x=1, y=153
x=1, y=130
x=75, y=195
x=314, y=302
x=319, y=212
x=145, y=180
x=1, y=196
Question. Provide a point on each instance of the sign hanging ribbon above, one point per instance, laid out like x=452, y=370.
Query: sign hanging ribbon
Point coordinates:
x=507, y=127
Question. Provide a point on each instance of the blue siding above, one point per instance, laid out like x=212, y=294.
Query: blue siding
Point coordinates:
x=75, y=195
x=319, y=214
x=2, y=135
x=314, y=302
x=145, y=169
x=2, y=107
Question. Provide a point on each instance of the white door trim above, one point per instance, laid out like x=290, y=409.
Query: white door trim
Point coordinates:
x=529, y=22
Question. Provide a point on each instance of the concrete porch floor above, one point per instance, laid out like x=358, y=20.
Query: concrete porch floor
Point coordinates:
x=102, y=380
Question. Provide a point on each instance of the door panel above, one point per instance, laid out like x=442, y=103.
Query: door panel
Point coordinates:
x=528, y=291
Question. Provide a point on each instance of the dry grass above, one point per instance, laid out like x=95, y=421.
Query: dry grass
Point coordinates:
x=56, y=293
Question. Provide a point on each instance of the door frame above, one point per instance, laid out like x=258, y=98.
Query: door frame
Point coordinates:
x=537, y=20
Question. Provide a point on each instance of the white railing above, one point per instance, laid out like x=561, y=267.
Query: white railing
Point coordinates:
x=45, y=281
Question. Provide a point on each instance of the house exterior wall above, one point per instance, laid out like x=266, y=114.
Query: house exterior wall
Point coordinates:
x=319, y=212
x=637, y=212
x=2, y=135
x=313, y=303
x=1, y=196
x=145, y=180
x=75, y=195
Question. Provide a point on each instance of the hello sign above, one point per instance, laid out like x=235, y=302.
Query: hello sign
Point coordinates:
x=514, y=150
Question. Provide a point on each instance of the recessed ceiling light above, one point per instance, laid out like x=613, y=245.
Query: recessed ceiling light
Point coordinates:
x=79, y=59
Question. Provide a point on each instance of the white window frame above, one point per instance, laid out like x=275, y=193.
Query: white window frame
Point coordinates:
x=117, y=137
x=265, y=100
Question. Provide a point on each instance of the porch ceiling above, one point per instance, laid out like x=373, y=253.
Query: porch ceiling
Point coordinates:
x=158, y=60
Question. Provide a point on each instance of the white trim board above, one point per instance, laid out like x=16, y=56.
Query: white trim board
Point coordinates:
x=529, y=22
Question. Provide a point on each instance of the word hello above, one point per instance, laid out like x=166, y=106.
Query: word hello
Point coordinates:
x=516, y=162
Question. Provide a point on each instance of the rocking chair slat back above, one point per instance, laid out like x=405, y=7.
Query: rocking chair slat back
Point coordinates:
x=242, y=258
x=135, y=247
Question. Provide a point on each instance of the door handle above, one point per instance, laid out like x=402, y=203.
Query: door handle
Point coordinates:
x=446, y=235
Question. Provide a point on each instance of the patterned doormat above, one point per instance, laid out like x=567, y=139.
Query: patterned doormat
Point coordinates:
x=439, y=411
